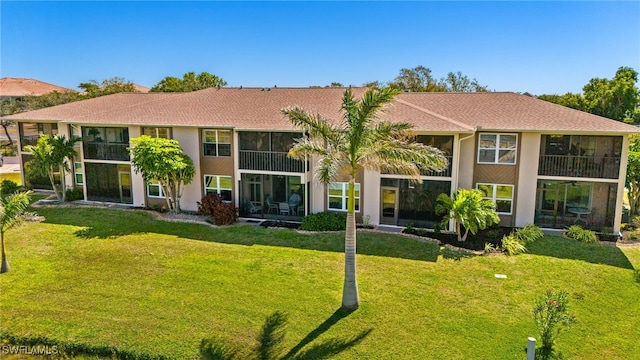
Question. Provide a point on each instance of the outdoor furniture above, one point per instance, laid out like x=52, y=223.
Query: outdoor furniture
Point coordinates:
x=579, y=212
x=271, y=205
x=293, y=208
x=253, y=207
x=284, y=208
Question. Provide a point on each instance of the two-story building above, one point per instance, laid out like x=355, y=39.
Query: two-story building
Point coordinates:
x=539, y=162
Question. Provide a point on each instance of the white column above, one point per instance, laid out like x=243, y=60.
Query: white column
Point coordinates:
x=527, y=179
x=188, y=139
x=371, y=196
x=624, y=157
x=137, y=184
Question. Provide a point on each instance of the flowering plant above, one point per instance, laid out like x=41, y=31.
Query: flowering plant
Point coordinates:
x=551, y=315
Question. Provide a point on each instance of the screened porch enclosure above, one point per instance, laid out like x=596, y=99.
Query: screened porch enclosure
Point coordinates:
x=108, y=183
x=404, y=202
x=270, y=196
x=560, y=204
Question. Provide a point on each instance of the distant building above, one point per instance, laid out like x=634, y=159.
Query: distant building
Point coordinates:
x=13, y=88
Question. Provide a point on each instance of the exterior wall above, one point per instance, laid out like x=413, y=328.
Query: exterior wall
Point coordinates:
x=138, y=187
x=371, y=194
x=503, y=174
x=466, y=164
x=193, y=191
x=527, y=179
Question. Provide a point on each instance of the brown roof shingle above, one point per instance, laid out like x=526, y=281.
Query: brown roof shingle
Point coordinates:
x=260, y=109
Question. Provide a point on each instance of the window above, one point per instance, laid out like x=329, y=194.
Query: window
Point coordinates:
x=501, y=195
x=220, y=185
x=338, y=193
x=77, y=173
x=156, y=132
x=154, y=190
x=497, y=148
x=216, y=142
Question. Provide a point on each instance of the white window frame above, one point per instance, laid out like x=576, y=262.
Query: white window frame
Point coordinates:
x=78, y=172
x=344, y=187
x=497, y=148
x=160, y=192
x=207, y=132
x=156, y=132
x=494, y=196
x=217, y=189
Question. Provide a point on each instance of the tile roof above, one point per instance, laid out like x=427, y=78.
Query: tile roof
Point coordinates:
x=260, y=109
x=23, y=87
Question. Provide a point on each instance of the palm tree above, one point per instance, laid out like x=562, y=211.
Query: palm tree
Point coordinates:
x=360, y=141
x=51, y=154
x=12, y=211
x=467, y=208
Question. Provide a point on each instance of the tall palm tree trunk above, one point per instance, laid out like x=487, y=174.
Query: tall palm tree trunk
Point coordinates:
x=350, y=298
x=5, y=262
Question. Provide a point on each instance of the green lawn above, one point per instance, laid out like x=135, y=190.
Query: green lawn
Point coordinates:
x=123, y=279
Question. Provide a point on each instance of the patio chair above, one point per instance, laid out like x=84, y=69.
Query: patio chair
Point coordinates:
x=253, y=208
x=284, y=208
x=271, y=205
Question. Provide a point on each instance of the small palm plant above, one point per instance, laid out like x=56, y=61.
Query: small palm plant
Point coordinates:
x=467, y=208
x=12, y=213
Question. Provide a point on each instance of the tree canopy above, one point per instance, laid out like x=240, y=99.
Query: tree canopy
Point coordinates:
x=421, y=79
x=107, y=87
x=163, y=161
x=189, y=82
x=615, y=98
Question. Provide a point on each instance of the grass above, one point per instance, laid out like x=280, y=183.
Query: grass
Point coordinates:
x=122, y=279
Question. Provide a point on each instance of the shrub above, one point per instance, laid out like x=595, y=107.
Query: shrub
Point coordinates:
x=74, y=194
x=512, y=245
x=551, y=315
x=324, y=221
x=578, y=233
x=529, y=234
x=225, y=214
x=207, y=204
x=489, y=247
x=8, y=187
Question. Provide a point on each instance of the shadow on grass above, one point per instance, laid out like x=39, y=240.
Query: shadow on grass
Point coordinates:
x=453, y=254
x=98, y=223
x=564, y=248
x=271, y=337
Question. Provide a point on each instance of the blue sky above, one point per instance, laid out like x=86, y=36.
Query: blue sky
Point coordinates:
x=538, y=47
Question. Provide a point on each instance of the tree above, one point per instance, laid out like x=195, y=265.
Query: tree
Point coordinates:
x=615, y=99
x=467, y=208
x=164, y=161
x=360, y=141
x=189, y=82
x=420, y=79
x=632, y=181
x=107, y=87
x=52, y=154
x=12, y=213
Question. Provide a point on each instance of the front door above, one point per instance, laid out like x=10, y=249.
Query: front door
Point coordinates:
x=389, y=205
x=125, y=187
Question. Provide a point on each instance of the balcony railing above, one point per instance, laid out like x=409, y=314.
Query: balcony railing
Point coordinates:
x=106, y=151
x=270, y=161
x=29, y=140
x=579, y=166
x=444, y=173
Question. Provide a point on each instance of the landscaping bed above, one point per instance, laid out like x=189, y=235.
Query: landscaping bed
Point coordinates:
x=473, y=242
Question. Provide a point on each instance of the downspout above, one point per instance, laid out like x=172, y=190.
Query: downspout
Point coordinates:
x=456, y=159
